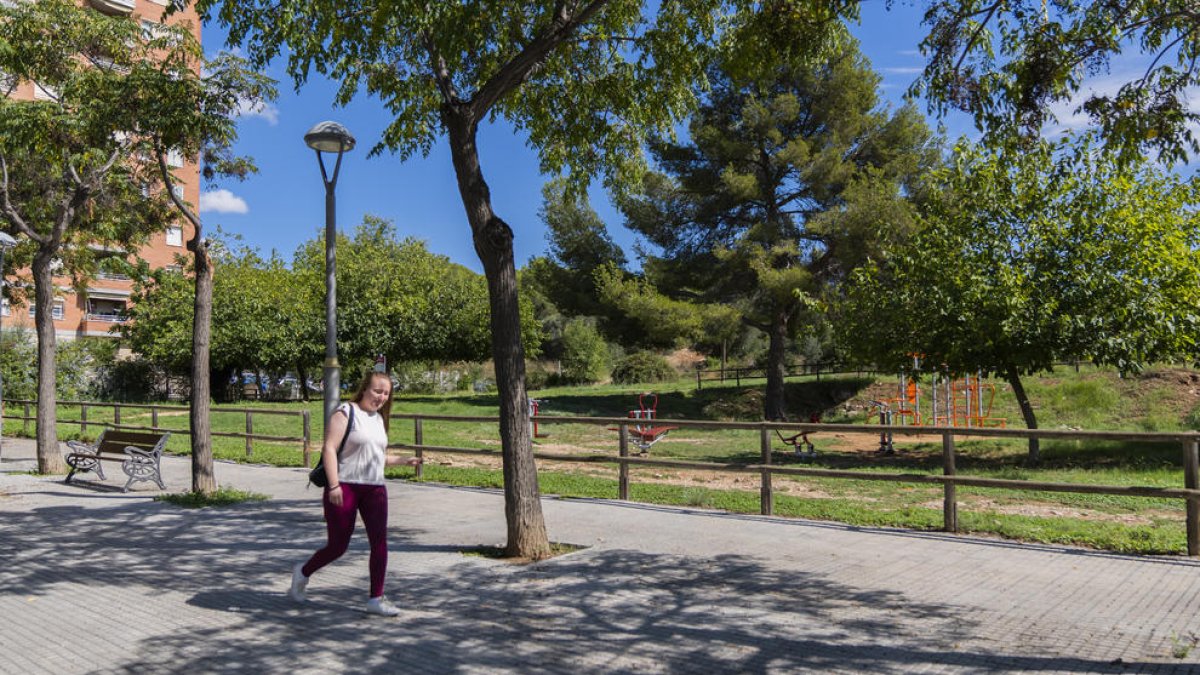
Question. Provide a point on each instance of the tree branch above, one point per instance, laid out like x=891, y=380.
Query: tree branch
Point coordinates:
x=441, y=74
x=521, y=65
x=9, y=210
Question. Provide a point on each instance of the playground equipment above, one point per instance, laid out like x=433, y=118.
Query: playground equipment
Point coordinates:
x=886, y=416
x=534, y=405
x=645, y=433
x=799, y=443
x=964, y=402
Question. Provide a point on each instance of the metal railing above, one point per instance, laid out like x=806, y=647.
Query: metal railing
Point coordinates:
x=950, y=479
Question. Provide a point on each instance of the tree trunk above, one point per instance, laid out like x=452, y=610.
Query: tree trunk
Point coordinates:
x=1014, y=381
x=49, y=457
x=203, y=480
x=493, y=243
x=303, y=375
x=774, y=405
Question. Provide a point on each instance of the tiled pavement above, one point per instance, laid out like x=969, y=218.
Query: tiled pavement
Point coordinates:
x=93, y=580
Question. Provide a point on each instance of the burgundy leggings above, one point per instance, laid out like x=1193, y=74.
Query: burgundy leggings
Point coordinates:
x=369, y=500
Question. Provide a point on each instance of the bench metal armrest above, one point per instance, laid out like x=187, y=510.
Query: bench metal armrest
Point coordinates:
x=140, y=453
x=80, y=446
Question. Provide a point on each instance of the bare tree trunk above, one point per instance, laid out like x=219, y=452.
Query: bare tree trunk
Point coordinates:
x=774, y=405
x=303, y=375
x=203, y=480
x=1014, y=381
x=49, y=457
x=493, y=243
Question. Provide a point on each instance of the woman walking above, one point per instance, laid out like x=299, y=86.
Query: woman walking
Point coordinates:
x=356, y=486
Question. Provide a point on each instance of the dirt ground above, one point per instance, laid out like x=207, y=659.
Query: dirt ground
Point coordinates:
x=865, y=444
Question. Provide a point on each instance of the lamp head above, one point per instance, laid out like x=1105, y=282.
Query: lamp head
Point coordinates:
x=329, y=137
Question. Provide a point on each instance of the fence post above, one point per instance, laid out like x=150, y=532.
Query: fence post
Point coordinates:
x=767, y=496
x=82, y=419
x=949, y=490
x=1191, y=480
x=306, y=420
x=154, y=417
x=117, y=414
x=698, y=379
x=25, y=421
x=623, y=467
x=419, y=440
x=737, y=376
x=249, y=433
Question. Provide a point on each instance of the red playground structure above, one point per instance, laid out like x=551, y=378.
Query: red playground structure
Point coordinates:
x=645, y=433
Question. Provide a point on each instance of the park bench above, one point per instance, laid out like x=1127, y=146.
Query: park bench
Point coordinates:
x=139, y=453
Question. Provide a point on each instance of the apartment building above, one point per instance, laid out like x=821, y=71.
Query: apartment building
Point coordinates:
x=98, y=310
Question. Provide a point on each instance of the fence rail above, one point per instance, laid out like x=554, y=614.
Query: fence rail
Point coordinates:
x=950, y=479
x=738, y=373
x=84, y=422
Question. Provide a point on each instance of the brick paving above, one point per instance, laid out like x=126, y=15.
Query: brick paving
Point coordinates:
x=96, y=581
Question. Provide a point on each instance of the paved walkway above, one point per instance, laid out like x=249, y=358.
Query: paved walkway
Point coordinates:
x=93, y=580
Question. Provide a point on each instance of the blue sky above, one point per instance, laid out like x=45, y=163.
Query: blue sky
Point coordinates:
x=284, y=204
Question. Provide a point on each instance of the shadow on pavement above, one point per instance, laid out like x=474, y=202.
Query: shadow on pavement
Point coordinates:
x=593, y=610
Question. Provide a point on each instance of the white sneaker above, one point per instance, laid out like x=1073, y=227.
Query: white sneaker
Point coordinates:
x=382, y=607
x=299, y=583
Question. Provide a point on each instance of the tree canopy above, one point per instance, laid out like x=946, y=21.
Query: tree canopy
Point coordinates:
x=790, y=179
x=1031, y=258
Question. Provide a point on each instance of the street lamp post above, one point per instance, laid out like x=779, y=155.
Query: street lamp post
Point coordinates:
x=6, y=242
x=330, y=137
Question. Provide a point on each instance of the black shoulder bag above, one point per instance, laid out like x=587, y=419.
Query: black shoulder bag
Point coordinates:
x=317, y=475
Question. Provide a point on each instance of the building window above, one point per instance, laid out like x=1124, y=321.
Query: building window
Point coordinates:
x=174, y=236
x=175, y=160
x=108, y=311
x=59, y=311
x=174, y=269
x=178, y=190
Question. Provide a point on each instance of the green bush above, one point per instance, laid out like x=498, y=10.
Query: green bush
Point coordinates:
x=585, y=354
x=18, y=363
x=643, y=367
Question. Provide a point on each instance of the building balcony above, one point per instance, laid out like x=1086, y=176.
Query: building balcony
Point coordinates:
x=107, y=317
x=112, y=276
x=122, y=7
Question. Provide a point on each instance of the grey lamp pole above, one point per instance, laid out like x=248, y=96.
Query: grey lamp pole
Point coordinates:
x=6, y=242
x=330, y=137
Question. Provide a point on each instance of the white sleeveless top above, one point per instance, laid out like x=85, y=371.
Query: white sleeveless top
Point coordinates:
x=362, y=459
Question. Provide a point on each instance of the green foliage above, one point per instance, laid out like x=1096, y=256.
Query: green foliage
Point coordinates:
x=643, y=367
x=1009, y=64
x=585, y=354
x=1038, y=257
x=794, y=175
x=18, y=363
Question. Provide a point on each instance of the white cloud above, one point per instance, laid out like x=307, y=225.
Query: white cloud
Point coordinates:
x=266, y=111
x=222, y=201
x=904, y=70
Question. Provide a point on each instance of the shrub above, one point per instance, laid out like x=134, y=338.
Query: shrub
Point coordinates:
x=585, y=354
x=643, y=367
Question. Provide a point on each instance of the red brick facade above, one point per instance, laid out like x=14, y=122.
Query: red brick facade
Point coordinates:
x=102, y=308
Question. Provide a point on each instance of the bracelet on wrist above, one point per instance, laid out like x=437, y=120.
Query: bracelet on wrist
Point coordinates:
x=332, y=487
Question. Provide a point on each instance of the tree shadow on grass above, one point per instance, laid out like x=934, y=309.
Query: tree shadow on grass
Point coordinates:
x=595, y=610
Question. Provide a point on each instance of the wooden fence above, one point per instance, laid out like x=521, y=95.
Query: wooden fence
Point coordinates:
x=1189, y=443
x=120, y=408
x=736, y=374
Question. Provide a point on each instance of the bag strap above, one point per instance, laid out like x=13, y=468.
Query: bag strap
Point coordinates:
x=349, y=424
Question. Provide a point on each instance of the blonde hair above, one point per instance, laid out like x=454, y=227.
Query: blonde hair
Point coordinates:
x=386, y=408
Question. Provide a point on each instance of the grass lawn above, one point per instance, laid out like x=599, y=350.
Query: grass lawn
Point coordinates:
x=1094, y=399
